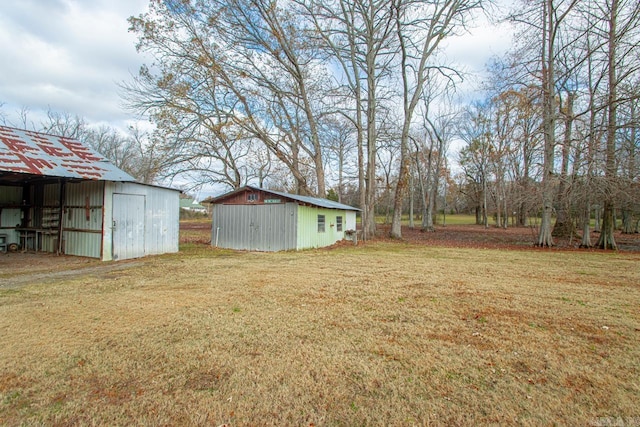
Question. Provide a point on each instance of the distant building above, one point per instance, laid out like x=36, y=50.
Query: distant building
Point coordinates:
x=189, y=204
x=253, y=218
x=58, y=195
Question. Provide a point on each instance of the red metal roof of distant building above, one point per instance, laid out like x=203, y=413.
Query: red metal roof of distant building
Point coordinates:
x=35, y=153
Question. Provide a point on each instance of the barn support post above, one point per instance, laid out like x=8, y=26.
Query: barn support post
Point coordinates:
x=63, y=183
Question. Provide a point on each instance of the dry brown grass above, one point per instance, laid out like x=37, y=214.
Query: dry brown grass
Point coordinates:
x=382, y=334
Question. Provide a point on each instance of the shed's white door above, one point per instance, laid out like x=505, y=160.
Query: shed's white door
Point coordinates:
x=128, y=226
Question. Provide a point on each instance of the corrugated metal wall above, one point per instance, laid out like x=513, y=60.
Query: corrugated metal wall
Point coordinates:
x=82, y=218
x=255, y=227
x=128, y=226
x=51, y=195
x=276, y=227
x=86, y=208
x=162, y=210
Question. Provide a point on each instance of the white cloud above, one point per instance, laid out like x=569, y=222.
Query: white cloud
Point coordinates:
x=67, y=55
x=473, y=50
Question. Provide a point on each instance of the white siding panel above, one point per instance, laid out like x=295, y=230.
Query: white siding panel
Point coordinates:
x=76, y=193
x=350, y=223
x=128, y=226
x=162, y=210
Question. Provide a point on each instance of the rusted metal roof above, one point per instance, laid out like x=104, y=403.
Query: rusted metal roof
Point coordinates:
x=35, y=153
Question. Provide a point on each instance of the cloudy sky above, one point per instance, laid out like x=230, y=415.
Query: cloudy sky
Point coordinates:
x=67, y=55
x=70, y=55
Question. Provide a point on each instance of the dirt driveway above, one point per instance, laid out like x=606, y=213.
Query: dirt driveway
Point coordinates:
x=19, y=269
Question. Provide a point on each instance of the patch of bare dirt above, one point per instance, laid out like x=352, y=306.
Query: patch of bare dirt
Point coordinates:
x=23, y=268
x=196, y=225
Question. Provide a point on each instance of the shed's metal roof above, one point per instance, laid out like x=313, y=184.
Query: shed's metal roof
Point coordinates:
x=315, y=201
x=28, y=152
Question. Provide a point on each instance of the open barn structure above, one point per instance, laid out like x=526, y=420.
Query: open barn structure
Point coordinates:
x=58, y=195
x=253, y=218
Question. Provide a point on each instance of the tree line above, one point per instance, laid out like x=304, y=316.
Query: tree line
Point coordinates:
x=558, y=133
x=300, y=93
x=355, y=99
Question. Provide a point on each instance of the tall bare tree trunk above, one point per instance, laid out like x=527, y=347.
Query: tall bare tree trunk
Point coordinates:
x=629, y=222
x=549, y=114
x=564, y=225
x=411, y=197
x=607, y=240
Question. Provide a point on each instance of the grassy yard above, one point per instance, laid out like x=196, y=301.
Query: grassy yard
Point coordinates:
x=457, y=219
x=379, y=334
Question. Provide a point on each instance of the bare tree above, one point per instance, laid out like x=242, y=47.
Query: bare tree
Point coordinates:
x=357, y=36
x=475, y=131
x=66, y=125
x=341, y=145
x=430, y=156
x=245, y=63
x=420, y=28
x=622, y=19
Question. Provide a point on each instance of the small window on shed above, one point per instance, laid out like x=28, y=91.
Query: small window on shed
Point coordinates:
x=321, y=223
x=252, y=197
x=338, y=223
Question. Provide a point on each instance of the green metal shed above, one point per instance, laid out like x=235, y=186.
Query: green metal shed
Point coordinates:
x=253, y=218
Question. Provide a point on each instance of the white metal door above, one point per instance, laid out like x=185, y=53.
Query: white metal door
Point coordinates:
x=128, y=226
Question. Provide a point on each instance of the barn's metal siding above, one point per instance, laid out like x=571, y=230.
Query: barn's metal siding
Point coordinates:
x=162, y=210
x=308, y=235
x=82, y=244
x=270, y=227
x=82, y=218
x=129, y=225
